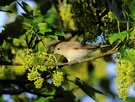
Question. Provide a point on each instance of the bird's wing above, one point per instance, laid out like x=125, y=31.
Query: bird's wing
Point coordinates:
x=90, y=47
x=78, y=45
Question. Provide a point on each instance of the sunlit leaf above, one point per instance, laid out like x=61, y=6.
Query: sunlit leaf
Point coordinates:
x=121, y=36
x=32, y=23
x=25, y=7
x=129, y=54
x=132, y=34
x=16, y=42
x=42, y=25
x=27, y=25
x=66, y=96
x=132, y=10
x=38, y=19
x=36, y=12
x=48, y=30
x=52, y=37
x=60, y=33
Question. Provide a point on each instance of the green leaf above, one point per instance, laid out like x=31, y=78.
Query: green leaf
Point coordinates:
x=27, y=25
x=52, y=37
x=42, y=99
x=48, y=30
x=90, y=91
x=60, y=33
x=132, y=10
x=121, y=36
x=65, y=96
x=32, y=23
x=2, y=99
x=36, y=12
x=28, y=20
x=25, y=7
x=43, y=28
x=16, y=42
x=42, y=25
x=123, y=51
x=6, y=45
x=132, y=34
x=129, y=55
x=38, y=19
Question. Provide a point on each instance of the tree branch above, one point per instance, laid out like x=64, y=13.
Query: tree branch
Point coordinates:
x=22, y=87
x=32, y=91
x=84, y=60
x=112, y=51
x=14, y=81
x=12, y=92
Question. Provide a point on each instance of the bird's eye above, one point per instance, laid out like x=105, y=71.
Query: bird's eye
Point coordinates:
x=58, y=49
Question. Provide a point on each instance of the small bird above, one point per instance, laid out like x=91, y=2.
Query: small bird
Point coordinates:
x=75, y=50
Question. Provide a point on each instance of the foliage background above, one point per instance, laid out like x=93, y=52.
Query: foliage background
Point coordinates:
x=28, y=40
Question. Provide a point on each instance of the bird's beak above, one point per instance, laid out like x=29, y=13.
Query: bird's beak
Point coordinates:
x=54, y=52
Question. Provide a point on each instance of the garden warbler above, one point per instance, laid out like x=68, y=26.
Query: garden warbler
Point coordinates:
x=75, y=50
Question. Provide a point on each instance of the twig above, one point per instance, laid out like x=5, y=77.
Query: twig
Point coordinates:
x=84, y=60
x=8, y=11
x=131, y=41
x=112, y=51
x=14, y=81
x=101, y=55
x=116, y=45
x=32, y=91
x=11, y=92
x=22, y=88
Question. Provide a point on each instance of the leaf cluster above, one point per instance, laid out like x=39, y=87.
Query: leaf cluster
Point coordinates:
x=50, y=20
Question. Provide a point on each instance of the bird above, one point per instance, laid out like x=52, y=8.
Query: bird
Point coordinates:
x=75, y=51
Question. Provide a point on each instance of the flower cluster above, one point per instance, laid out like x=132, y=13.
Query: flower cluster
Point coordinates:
x=66, y=15
x=125, y=72
x=33, y=62
x=57, y=77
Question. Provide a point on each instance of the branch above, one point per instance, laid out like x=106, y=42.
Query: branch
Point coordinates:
x=14, y=81
x=131, y=41
x=22, y=88
x=84, y=60
x=112, y=51
x=12, y=92
x=22, y=83
x=32, y=91
x=116, y=46
x=8, y=11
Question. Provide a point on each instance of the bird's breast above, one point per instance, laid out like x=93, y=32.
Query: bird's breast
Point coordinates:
x=76, y=54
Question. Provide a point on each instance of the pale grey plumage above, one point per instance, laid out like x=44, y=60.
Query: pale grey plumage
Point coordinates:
x=74, y=50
